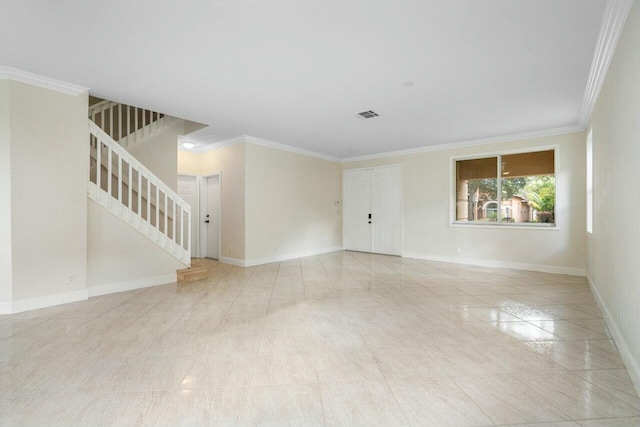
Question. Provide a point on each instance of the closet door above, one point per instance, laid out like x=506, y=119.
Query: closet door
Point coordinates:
x=357, y=207
x=372, y=218
x=387, y=210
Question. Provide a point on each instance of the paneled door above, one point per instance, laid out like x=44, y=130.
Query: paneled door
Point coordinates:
x=373, y=210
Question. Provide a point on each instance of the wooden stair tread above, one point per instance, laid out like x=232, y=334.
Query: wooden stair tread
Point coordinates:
x=192, y=274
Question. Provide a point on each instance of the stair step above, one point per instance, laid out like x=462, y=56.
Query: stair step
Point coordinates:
x=192, y=274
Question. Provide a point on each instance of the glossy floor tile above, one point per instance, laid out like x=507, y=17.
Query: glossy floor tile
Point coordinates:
x=340, y=339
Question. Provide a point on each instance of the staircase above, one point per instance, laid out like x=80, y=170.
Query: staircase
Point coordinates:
x=120, y=183
x=128, y=125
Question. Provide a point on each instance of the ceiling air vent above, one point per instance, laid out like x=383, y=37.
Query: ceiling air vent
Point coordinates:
x=367, y=114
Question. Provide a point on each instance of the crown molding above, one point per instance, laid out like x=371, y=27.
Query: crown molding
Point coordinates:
x=8, y=73
x=284, y=147
x=469, y=143
x=211, y=147
x=248, y=139
x=613, y=19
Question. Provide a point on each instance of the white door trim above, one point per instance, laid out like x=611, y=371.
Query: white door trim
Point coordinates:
x=195, y=214
x=202, y=178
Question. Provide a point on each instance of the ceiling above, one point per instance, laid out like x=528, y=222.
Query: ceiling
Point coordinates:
x=297, y=72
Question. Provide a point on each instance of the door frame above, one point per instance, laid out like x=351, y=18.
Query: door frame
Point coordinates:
x=344, y=192
x=201, y=180
x=196, y=215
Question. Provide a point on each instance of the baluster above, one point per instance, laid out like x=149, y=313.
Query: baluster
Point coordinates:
x=103, y=117
x=119, y=181
x=135, y=131
x=189, y=235
x=130, y=184
x=173, y=222
x=144, y=120
x=166, y=213
x=109, y=174
x=181, y=228
x=119, y=122
x=148, y=203
x=139, y=197
x=111, y=133
x=128, y=123
x=98, y=166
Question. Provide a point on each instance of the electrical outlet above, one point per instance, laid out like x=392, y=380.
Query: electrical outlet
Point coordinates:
x=72, y=278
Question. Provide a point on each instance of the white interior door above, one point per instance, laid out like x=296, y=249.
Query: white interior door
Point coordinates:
x=386, y=223
x=372, y=217
x=211, y=217
x=188, y=190
x=357, y=208
x=213, y=212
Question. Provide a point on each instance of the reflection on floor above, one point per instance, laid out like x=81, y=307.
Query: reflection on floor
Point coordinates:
x=337, y=339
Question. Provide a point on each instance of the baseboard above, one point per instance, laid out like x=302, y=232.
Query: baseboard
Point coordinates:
x=42, y=302
x=232, y=261
x=130, y=285
x=278, y=258
x=294, y=255
x=499, y=264
x=632, y=365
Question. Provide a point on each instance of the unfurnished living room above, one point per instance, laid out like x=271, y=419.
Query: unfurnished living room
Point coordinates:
x=331, y=213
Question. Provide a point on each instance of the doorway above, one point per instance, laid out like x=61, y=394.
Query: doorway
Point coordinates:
x=373, y=210
x=210, y=216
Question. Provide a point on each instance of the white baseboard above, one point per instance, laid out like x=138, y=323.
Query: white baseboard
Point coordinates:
x=232, y=261
x=498, y=264
x=130, y=285
x=632, y=365
x=278, y=258
x=42, y=302
x=285, y=257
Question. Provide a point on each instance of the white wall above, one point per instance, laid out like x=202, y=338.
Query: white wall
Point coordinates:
x=120, y=258
x=49, y=170
x=5, y=195
x=290, y=204
x=230, y=163
x=613, y=248
x=427, y=197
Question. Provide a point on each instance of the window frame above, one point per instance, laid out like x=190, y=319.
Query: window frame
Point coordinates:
x=498, y=224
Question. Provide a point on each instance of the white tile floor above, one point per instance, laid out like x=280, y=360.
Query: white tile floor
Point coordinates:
x=342, y=339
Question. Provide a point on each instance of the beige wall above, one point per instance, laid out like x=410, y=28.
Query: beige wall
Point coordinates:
x=49, y=170
x=290, y=201
x=159, y=153
x=427, y=198
x=615, y=244
x=230, y=163
x=119, y=256
x=5, y=195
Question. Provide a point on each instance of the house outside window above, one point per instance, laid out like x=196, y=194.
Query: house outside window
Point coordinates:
x=506, y=189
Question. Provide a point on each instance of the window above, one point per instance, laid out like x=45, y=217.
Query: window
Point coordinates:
x=506, y=189
x=589, y=183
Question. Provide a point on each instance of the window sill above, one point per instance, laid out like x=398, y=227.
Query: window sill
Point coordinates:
x=506, y=226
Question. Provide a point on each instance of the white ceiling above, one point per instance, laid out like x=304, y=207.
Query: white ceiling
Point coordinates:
x=296, y=72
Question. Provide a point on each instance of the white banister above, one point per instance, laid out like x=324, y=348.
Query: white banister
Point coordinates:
x=109, y=117
x=160, y=235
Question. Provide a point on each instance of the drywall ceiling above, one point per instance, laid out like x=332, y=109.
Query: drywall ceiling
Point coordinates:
x=297, y=72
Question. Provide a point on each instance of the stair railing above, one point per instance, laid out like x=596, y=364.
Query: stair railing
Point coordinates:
x=125, y=124
x=121, y=184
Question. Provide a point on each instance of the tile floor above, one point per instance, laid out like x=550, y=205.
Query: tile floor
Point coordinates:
x=342, y=339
